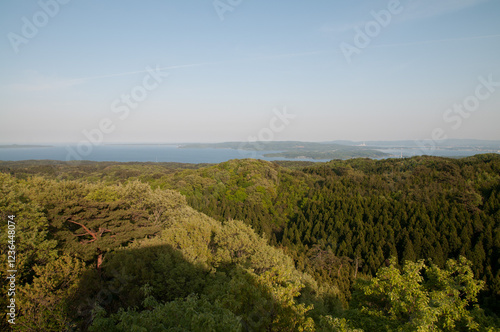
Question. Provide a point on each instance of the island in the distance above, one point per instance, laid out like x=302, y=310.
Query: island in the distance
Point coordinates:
x=19, y=146
x=297, y=150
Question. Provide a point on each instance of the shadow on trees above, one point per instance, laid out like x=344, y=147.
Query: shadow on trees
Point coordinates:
x=128, y=276
x=121, y=278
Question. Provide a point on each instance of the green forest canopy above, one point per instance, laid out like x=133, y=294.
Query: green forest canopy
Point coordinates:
x=317, y=247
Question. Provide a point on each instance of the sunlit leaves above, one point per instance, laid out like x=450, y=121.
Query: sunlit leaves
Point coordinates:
x=420, y=297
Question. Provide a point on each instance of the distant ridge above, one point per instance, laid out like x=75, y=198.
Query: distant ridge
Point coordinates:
x=18, y=146
x=452, y=142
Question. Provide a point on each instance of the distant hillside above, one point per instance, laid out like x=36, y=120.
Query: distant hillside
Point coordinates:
x=298, y=150
x=17, y=146
x=450, y=143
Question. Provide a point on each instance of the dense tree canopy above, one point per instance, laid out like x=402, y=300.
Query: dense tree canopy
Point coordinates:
x=373, y=245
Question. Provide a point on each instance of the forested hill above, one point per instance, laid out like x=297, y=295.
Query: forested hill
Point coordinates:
x=362, y=212
x=335, y=237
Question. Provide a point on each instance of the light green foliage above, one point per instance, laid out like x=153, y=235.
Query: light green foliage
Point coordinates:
x=45, y=302
x=252, y=190
x=157, y=203
x=419, y=298
x=32, y=242
x=102, y=194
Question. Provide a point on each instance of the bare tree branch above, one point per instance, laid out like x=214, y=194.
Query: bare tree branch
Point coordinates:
x=89, y=232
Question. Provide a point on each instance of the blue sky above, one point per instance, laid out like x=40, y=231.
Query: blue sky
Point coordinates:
x=227, y=77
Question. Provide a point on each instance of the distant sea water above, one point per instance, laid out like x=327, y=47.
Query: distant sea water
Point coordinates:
x=172, y=153
x=139, y=153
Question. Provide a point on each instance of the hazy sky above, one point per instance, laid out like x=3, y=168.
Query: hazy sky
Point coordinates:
x=71, y=66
